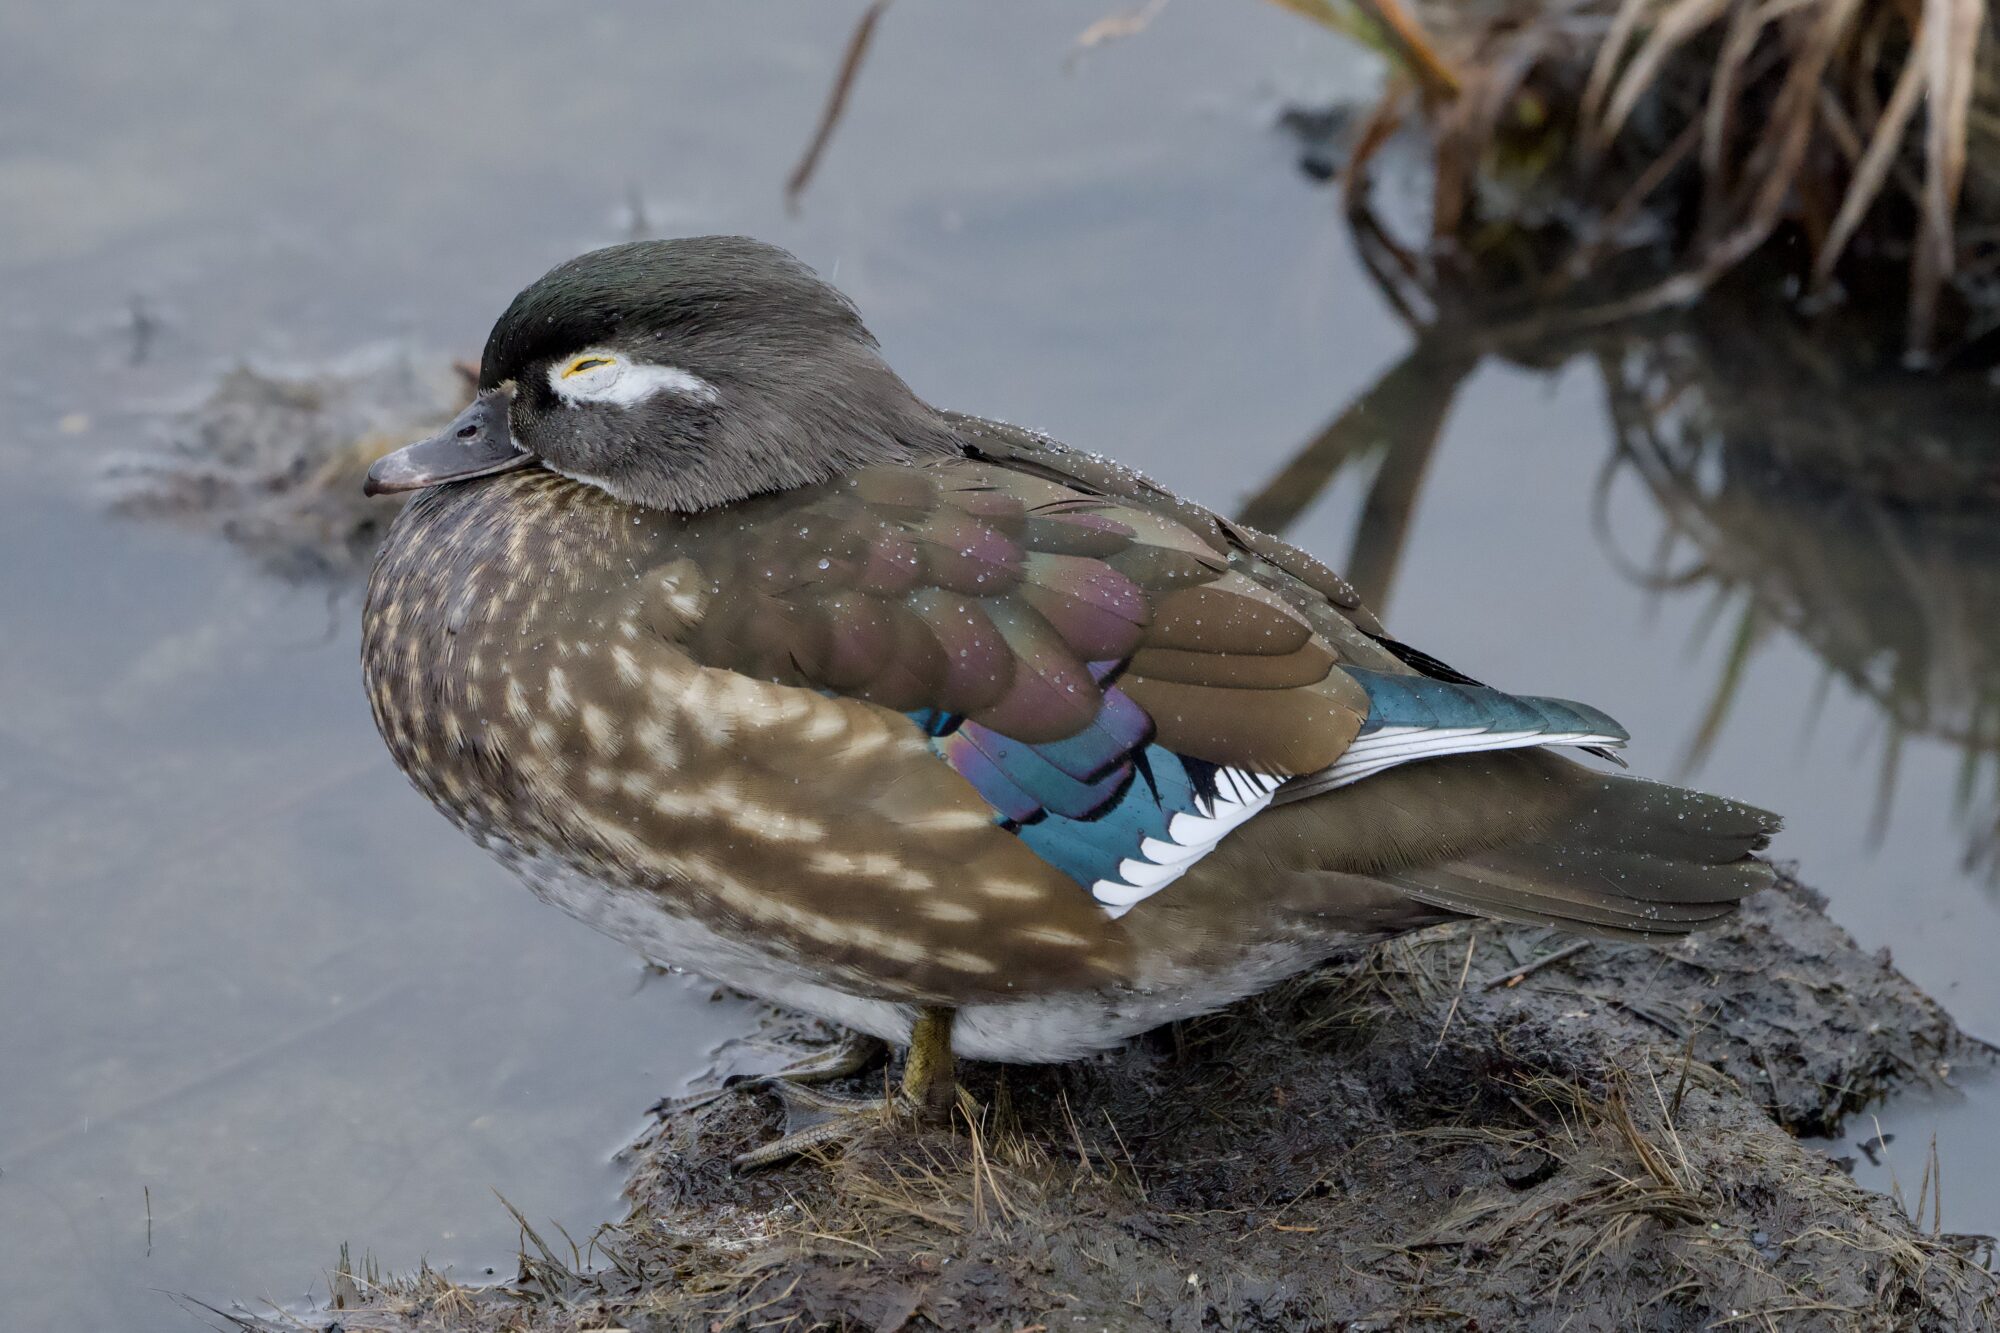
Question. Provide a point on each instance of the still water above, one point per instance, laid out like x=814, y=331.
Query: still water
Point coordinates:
x=256, y=1000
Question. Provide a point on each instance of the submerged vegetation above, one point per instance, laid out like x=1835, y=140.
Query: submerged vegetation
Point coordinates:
x=273, y=461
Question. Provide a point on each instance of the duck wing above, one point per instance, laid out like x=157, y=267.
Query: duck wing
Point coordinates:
x=1122, y=676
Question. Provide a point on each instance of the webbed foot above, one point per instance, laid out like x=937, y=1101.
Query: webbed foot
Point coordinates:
x=814, y=1118
x=854, y=1052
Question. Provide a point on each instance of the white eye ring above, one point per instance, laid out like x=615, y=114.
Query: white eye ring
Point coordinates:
x=598, y=375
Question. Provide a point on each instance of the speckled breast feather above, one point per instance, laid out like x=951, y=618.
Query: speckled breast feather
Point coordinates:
x=875, y=721
x=929, y=731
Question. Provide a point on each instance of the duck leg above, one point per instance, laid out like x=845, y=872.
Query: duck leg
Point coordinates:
x=929, y=1084
x=814, y=1118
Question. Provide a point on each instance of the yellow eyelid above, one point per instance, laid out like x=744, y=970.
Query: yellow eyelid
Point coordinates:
x=583, y=363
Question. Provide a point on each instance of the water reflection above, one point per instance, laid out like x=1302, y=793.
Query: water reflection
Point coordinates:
x=1786, y=483
x=1798, y=477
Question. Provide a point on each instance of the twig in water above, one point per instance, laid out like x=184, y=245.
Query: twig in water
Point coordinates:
x=1113, y=27
x=1432, y=71
x=836, y=103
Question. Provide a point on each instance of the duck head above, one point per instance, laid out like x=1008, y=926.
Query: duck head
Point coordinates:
x=681, y=375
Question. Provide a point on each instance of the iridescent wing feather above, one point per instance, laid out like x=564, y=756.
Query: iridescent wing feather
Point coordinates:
x=1122, y=677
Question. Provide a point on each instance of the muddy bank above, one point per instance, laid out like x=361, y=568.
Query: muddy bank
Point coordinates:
x=1473, y=1127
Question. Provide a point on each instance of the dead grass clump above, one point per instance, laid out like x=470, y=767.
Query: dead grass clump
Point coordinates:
x=1617, y=1168
x=1865, y=129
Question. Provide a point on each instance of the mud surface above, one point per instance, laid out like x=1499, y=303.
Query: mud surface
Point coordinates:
x=1474, y=1127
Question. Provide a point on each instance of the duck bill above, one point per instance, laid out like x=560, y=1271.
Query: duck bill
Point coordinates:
x=477, y=443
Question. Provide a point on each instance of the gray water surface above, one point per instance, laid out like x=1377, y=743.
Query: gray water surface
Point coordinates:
x=256, y=999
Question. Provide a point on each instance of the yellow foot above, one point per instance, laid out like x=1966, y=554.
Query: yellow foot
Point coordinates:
x=814, y=1119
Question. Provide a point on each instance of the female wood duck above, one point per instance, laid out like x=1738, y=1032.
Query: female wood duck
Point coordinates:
x=739, y=651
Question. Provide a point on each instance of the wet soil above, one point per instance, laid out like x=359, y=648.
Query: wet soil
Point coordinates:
x=1472, y=1127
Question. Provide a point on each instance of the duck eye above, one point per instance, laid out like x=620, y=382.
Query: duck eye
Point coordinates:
x=585, y=363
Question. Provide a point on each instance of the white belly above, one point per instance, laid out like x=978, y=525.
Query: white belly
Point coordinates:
x=1043, y=1029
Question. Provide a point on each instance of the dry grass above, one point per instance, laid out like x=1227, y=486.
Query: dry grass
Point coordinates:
x=1865, y=128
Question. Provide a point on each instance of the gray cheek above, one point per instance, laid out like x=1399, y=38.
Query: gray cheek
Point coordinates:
x=576, y=436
